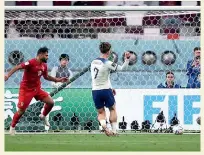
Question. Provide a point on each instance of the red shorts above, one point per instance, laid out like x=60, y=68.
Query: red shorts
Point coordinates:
x=25, y=96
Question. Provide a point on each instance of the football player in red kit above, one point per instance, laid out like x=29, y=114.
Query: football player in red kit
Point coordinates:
x=30, y=86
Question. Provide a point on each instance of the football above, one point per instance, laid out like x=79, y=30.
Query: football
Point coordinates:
x=178, y=130
x=198, y=120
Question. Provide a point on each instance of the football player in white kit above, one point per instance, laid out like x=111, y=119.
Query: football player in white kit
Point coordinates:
x=102, y=92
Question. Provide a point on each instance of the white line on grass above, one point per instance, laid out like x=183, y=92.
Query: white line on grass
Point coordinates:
x=68, y=133
x=98, y=142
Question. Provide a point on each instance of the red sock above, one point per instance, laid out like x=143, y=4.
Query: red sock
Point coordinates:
x=15, y=120
x=47, y=109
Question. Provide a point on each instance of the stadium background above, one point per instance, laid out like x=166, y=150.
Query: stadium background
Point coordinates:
x=27, y=38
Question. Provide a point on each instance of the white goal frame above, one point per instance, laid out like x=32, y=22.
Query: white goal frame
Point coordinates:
x=103, y=8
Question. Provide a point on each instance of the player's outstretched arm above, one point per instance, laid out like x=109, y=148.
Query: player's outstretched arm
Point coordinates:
x=13, y=70
x=125, y=64
x=50, y=78
x=115, y=67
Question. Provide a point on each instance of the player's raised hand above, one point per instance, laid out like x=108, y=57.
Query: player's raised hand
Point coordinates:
x=63, y=79
x=6, y=77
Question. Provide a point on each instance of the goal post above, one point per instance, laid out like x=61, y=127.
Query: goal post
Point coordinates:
x=163, y=39
x=104, y=8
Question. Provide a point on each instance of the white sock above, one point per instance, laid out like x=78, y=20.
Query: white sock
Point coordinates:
x=103, y=122
x=42, y=115
x=108, y=125
x=113, y=125
x=100, y=128
x=12, y=127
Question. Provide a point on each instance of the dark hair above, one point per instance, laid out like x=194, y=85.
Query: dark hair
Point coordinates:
x=196, y=49
x=42, y=50
x=64, y=56
x=104, y=47
x=169, y=72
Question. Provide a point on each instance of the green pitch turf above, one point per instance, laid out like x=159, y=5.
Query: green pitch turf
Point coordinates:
x=99, y=142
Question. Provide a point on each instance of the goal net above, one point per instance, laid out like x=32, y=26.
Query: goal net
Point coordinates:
x=162, y=40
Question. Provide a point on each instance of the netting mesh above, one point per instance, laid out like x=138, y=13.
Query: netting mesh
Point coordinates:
x=162, y=40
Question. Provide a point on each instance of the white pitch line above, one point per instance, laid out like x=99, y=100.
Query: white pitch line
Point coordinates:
x=96, y=133
x=98, y=142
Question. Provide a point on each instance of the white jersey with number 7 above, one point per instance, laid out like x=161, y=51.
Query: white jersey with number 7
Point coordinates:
x=100, y=72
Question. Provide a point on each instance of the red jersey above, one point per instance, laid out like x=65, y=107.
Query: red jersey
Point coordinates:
x=32, y=73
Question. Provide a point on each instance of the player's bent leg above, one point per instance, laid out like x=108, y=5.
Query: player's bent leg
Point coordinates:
x=98, y=97
x=110, y=104
x=49, y=103
x=102, y=120
x=113, y=119
x=15, y=120
x=25, y=97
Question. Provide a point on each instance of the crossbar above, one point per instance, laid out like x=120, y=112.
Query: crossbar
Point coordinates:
x=103, y=8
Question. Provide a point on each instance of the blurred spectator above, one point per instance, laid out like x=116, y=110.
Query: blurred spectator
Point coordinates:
x=193, y=70
x=169, y=83
x=62, y=70
x=12, y=32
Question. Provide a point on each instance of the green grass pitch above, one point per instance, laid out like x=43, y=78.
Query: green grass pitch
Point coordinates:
x=100, y=142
